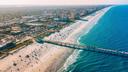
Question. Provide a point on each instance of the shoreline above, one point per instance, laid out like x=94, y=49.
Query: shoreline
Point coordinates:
x=47, y=57
x=72, y=58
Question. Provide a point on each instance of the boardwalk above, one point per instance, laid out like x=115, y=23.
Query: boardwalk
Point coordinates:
x=89, y=48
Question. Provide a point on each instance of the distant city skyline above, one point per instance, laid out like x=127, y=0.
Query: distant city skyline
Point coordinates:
x=61, y=2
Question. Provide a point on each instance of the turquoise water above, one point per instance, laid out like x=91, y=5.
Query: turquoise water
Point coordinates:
x=111, y=31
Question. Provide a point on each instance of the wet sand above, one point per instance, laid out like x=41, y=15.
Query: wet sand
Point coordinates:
x=47, y=57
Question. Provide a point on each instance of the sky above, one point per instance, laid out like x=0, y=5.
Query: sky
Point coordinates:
x=61, y=2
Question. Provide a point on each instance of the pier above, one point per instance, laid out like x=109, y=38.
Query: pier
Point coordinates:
x=89, y=48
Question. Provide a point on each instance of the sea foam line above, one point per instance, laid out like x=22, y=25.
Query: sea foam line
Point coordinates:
x=74, y=56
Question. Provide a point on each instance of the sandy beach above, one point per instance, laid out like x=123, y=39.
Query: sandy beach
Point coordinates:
x=47, y=57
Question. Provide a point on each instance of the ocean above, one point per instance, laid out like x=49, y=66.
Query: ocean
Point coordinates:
x=111, y=31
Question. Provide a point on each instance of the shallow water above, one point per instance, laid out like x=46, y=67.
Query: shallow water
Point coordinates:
x=111, y=31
